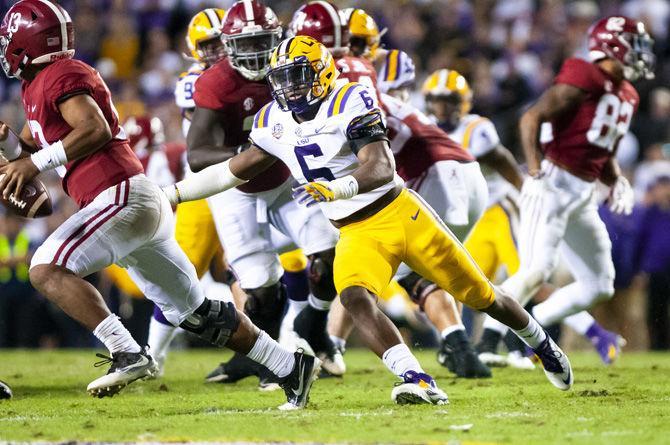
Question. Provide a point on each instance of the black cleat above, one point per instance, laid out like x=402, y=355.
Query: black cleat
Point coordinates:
x=126, y=367
x=5, y=391
x=237, y=368
x=310, y=325
x=487, y=348
x=457, y=354
x=298, y=383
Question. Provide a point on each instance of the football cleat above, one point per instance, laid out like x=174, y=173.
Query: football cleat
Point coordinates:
x=5, y=391
x=298, y=383
x=608, y=344
x=458, y=355
x=310, y=326
x=237, y=368
x=517, y=360
x=126, y=367
x=488, y=349
x=556, y=364
x=418, y=388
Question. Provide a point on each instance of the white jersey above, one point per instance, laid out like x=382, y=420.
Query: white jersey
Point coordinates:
x=184, y=91
x=478, y=135
x=319, y=149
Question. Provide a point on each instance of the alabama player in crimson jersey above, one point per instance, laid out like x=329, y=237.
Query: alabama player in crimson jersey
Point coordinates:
x=429, y=162
x=589, y=108
x=227, y=96
x=124, y=218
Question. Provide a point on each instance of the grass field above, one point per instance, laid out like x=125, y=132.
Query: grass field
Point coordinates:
x=628, y=404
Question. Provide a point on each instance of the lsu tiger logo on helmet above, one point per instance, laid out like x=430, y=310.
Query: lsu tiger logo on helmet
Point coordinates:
x=302, y=73
x=203, y=36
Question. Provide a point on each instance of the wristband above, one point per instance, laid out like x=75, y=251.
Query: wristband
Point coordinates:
x=51, y=157
x=344, y=188
x=11, y=147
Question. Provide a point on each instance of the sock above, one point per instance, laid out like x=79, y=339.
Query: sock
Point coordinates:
x=595, y=331
x=160, y=337
x=451, y=329
x=568, y=300
x=270, y=354
x=320, y=305
x=581, y=322
x=297, y=285
x=294, y=308
x=399, y=359
x=115, y=336
x=339, y=342
x=533, y=334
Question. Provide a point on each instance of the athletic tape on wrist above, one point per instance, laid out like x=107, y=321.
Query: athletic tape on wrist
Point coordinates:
x=51, y=157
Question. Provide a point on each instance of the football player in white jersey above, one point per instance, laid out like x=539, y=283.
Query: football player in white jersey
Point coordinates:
x=334, y=142
x=493, y=242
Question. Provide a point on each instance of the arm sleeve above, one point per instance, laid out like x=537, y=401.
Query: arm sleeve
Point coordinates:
x=364, y=119
x=578, y=73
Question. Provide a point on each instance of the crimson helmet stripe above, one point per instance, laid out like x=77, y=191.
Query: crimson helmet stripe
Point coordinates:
x=337, y=21
x=249, y=11
x=63, y=19
x=213, y=18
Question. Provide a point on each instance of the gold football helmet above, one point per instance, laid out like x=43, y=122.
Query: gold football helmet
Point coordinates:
x=364, y=34
x=448, y=83
x=204, y=36
x=302, y=73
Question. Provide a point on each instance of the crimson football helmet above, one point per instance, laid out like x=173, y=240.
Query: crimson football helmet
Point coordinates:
x=322, y=21
x=250, y=32
x=34, y=32
x=625, y=40
x=144, y=132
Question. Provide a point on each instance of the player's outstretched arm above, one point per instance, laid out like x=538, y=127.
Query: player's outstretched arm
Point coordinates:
x=556, y=101
x=501, y=160
x=206, y=140
x=376, y=168
x=220, y=177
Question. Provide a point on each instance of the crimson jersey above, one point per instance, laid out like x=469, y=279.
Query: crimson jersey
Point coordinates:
x=416, y=142
x=84, y=178
x=358, y=69
x=223, y=89
x=584, y=139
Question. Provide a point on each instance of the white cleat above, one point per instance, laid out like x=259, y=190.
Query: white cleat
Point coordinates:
x=126, y=367
x=517, y=360
x=298, y=383
x=556, y=364
x=333, y=364
x=493, y=360
x=418, y=388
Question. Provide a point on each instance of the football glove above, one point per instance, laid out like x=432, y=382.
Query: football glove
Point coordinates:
x=326, y=191
x=622, y=197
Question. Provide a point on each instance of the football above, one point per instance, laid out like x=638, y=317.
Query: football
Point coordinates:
x=33, y=201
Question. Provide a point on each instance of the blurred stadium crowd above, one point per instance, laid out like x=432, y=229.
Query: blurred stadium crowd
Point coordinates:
x=508, y=49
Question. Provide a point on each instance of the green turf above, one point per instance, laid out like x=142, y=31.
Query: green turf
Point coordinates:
x=628, y=404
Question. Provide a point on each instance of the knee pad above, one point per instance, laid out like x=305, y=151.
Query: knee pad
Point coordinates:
x=320, y=274
x=215, y=321
x=602, y=290
x=257, y=270
x=417, y=287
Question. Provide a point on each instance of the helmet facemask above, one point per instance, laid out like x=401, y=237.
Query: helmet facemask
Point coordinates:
x=250, y=52
x=6, y=66
x=447, y=108
x=295, y=86
x=211, y=50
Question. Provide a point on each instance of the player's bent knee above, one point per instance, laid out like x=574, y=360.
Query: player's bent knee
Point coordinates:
x=353, y=297
x=417, y=287
x=257, y=271
x=44, y=276
x=321, y=276
x=214, y=321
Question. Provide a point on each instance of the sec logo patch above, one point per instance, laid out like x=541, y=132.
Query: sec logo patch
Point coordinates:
x=248, y=104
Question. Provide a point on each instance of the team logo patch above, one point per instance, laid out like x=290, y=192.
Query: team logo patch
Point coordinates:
x=277, y=130
x=248, y=104
x=298, y=131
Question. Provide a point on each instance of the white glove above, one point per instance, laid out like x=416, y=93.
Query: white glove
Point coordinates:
x=532, y=190
x=10, y=146
x=622, y=197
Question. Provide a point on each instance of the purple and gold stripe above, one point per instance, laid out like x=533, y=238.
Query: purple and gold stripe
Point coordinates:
x=263, y=116
x=340, y=100
x=392, y=65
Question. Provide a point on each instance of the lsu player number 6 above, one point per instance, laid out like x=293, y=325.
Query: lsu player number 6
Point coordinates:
x=334, y=142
